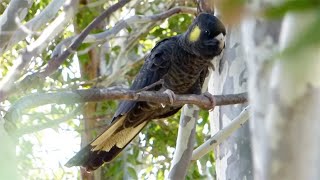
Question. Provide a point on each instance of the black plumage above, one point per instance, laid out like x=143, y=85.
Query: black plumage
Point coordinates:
x=182, y=63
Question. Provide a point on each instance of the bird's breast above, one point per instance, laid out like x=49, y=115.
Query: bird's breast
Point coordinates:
x=183, y=74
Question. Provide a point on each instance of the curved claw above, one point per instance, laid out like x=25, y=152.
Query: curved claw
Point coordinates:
x=211, y=99
x=171, y=95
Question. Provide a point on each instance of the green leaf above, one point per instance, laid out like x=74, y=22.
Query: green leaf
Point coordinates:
x=132, y=173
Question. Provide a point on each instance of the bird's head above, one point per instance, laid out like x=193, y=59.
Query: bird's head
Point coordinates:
x=206, y=36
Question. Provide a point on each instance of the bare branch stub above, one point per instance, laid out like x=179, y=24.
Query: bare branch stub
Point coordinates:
x=206, y=6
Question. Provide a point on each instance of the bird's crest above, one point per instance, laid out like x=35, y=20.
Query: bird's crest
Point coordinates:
x=194, y=34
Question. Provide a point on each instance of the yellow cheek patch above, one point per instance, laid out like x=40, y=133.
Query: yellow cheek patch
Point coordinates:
x=194, y=34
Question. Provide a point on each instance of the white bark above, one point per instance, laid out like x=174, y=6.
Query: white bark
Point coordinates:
x=36, y=23
x=185, y=142
x=221, y=135
x=261, y=39
x=14, y=14
x=284, y=96
x=48, y=34
x=292, y=121
x=135, y=22
x=233, y=156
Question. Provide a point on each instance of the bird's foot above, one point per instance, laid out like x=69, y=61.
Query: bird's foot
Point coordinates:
x=171, y=95
x=211, y=99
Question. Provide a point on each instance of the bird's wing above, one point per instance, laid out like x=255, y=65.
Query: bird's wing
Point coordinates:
x=154, y=68
x=129, y=120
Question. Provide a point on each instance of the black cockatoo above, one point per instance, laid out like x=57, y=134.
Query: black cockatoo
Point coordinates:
x=182, y=63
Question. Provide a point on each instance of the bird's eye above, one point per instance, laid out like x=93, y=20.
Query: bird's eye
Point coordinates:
x=207, y=32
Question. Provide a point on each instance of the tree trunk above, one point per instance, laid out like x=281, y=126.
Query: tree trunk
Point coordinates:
x=90, y=71
x=286, y=131
x=261, y=39
x=89, y=64
x=233, y=156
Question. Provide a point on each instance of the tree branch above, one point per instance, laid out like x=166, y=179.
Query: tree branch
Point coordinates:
x=44, y=17
x=221, y=135
x=16, y=10
x=97, y=95
x=55, y=62
x=7, y=86
x=126, y=23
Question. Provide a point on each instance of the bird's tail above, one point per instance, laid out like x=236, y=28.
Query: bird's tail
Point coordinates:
x=106, y=146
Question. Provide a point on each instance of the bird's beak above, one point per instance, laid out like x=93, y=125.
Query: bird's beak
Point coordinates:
x=221, y=39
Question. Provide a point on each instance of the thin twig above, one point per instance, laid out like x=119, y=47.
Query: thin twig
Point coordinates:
x=7, y=85
x=38, y=21
x=122, y=24
x=221, y=135
x=55, y=62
